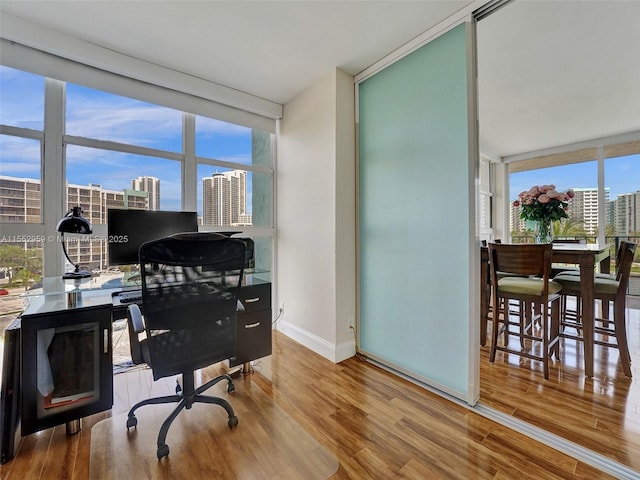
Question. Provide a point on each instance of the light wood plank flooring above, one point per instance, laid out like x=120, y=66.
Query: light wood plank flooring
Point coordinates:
x=602, y=413
x=377, y=425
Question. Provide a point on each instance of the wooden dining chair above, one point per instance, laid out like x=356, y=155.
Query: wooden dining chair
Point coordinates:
x=606, y=289
x=485, y=283
x=568, y=317
x=528, y=281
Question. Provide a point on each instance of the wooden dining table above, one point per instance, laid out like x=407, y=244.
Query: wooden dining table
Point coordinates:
x=586, y=256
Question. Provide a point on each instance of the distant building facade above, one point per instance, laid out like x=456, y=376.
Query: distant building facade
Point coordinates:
x=151, y=185
x=20, y=202
x=224, y=199
x=582, y=209
x=627, y=213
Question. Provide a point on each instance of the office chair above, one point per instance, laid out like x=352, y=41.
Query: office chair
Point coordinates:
x=190, y=285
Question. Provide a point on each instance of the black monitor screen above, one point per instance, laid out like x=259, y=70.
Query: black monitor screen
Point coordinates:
x=128, y=229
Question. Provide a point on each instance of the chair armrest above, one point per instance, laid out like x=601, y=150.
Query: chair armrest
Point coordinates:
x=134, y=318
x=135, y=323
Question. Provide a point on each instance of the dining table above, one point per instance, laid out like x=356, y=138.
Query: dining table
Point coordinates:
x=586, y=256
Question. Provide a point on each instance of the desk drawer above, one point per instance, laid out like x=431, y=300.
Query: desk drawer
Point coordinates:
x=253, y=337
x=255, y=297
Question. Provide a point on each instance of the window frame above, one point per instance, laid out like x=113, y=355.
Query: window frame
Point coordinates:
x=54, y=142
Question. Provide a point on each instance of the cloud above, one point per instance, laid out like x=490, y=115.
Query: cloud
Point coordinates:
x=143, y=125
x=20, y=157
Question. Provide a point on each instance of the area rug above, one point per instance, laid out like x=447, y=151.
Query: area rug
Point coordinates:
x=266, y=444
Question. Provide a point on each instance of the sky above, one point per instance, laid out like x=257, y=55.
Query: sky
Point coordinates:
x=621, y=175
x=100, y=115
x=94, y=114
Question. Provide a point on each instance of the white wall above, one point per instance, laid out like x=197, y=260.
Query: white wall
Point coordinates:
x=316, y=217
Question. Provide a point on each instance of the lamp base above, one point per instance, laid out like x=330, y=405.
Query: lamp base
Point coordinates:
x=75, y=275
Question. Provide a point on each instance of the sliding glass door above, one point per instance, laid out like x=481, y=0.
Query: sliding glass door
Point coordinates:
x=417, y=165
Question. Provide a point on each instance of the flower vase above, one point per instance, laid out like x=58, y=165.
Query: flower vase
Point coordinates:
x=543, y=231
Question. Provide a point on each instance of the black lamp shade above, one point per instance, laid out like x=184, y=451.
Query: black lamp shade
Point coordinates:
x=74, y=222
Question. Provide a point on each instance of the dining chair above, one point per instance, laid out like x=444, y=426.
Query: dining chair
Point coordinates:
x=606, y=289
x=485, y=283
x=568, y=316
x=522, y=272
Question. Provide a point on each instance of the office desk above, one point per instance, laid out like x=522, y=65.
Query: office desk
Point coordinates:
x=75, y=316
x=586, y=256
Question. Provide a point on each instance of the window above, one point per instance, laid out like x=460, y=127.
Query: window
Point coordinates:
x=22, y=99
x=20, y=180
x=234, y=174
x=21, y=136
x=615, y=212
x=623, y=212
x=582, y=178
x=94, y=114
x=485, y=197
x=132, y=181
x=121, y=152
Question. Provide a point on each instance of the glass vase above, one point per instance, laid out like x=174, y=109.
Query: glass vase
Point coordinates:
x=543, y=231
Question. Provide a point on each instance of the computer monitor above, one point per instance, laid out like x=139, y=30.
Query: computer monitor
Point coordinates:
x=128, y=229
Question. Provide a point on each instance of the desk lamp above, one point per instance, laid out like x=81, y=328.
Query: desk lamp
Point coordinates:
x=74, y=222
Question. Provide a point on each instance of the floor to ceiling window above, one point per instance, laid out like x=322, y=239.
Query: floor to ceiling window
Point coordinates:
x=118, y=152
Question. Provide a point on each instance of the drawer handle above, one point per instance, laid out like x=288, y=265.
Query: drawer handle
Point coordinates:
x=252, y=300
x=252, y=325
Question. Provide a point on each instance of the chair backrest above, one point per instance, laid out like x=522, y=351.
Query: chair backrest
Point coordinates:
x=622, y=248
x=526, y=259
x=624, y=261
x=190, y=286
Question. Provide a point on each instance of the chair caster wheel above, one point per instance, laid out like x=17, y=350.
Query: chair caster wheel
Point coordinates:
x=231, y=388
x=132, y=421
x=233, y=421
x=163, y=451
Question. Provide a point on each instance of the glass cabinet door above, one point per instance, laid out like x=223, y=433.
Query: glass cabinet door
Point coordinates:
x=67, y=366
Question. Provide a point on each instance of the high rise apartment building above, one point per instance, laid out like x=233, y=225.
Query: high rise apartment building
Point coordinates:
x=627, y=213
x=151, y=185
x=584, y=208
x=20, y=200
x=224, y=199
x=516, y=224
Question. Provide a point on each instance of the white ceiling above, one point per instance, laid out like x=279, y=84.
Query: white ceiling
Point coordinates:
x=550, y=73
x=271, y=49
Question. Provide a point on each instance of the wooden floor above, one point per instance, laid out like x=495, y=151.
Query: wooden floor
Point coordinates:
x=378, y=426
x=601, y=413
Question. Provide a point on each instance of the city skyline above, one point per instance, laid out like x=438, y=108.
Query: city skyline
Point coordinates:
x=622, y=176
x=227, y=198
x=100, y=115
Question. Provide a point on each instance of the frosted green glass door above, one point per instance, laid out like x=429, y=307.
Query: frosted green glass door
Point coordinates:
x=416, y=214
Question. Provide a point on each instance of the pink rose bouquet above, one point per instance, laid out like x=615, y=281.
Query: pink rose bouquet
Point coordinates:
x=543, y=203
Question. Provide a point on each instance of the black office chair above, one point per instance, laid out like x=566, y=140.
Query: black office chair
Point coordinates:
x=190, y=285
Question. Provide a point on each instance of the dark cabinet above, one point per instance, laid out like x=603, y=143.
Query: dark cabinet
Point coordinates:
x=253, y=336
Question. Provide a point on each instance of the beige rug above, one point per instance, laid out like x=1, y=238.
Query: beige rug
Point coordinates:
x=266, y=444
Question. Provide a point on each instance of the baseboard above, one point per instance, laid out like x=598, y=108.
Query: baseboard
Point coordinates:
x=334, y=352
